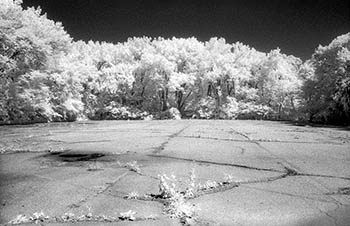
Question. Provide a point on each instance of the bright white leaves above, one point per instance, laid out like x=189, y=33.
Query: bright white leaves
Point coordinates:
x=327, y=80
x=278, y=80
x=213, y=77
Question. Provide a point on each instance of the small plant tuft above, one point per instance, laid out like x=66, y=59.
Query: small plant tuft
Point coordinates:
x=20, y=219
x=208, y=185
x=132, y=195
x=129, y=215
x=68, y=217
x=36, y=218
x=192, y=188
x=176, y=205
x=132, y=166
x=228, y=178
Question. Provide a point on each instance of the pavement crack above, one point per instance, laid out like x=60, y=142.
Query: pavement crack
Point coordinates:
x=150, y=176
x=321, y=175
x=21, y=151
x=289, y=194
x=240, y=134
x=340, y=191
x=228, y=186
x=82, y=201
x=215, y=163
x=330, y=216
x=257, y=140
x=221, y=187
x=113, y=183
x=218, y=188
x=160, y=148
x=292, y=172
x=217, y=138
x=87, y=141
x=284, y=161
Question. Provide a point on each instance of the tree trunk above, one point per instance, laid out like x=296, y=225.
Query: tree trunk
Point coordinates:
x=165, y=99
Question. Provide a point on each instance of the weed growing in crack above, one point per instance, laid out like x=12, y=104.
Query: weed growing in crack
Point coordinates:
x=167, y=186
x=214, y=185
x=176, y=205
x=68, y=217
x=228, y=178
x=191, y=188
x=20, y=219
x=151, y=217
x=132, y=166
x=208, y=185
x=132, y=195
x=129, y=215
x=40, y=217
x=94, y=167
x=175, y=200
x=36, y=218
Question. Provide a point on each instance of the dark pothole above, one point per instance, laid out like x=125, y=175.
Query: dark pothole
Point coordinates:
x=81, y=158
x=71, y=158
x=75, y=157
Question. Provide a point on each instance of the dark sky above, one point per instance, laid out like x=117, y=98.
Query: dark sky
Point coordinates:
x=296, y=26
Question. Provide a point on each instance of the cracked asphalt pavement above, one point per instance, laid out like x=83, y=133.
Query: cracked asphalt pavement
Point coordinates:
x=283, y=174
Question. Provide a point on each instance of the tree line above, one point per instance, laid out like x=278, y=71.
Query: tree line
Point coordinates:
x=46, y=76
